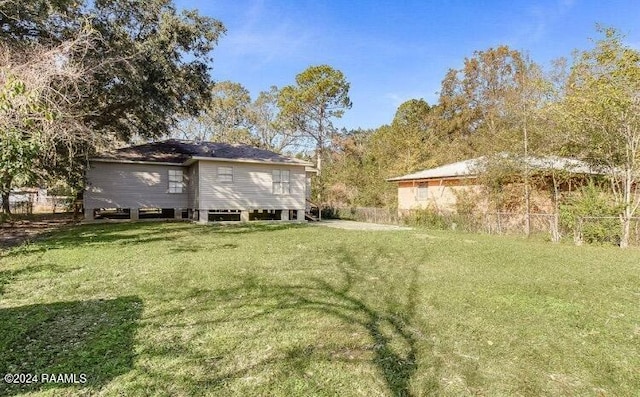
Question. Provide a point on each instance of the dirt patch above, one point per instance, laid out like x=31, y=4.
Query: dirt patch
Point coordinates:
x=353, y=225
x=19, y=231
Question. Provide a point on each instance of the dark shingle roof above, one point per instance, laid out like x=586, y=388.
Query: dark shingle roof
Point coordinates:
x=179, y=151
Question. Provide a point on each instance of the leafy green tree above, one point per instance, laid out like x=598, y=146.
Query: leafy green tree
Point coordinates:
x=354, y=175
x=321, y=94
x=474, y=101
x=602, y=111
x=227, y=113
x=225, y=118
x=268, y=130
x=361, y=161
x=494, y=105
x=411, y=141
x=17, y=157
x=149, y=68
x=145, y=66
x=524, y=104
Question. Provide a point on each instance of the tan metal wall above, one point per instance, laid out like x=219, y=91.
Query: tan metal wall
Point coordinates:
x=441, y=194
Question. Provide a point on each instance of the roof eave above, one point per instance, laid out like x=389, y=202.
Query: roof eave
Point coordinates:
x=192, y=160
x=123, y=161
x=429, y=178
x=246, y=160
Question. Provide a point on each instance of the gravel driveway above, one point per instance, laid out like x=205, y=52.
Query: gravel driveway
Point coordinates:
x=353, y=225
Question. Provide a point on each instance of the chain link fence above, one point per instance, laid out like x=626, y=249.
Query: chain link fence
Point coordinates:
x=30, y=203
x=605, y=229
x=586, y=229
x=363, y=214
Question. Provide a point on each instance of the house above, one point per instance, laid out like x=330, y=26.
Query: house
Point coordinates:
x=202, y=181
x=440, y=187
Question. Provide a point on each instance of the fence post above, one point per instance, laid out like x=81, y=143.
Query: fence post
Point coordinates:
x=555, y=228
x=577, y=233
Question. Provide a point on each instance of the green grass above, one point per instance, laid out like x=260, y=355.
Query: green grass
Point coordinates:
x=174, y=309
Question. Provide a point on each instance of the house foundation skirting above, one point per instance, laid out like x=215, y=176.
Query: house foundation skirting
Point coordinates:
x=197, y=215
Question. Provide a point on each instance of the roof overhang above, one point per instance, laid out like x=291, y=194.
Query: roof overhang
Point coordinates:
x=435, y=178
x=99, y=160
x=192, y=160
x=311, y=170
x=253, y=161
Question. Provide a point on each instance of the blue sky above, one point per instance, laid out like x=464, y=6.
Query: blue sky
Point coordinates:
x=393, y=51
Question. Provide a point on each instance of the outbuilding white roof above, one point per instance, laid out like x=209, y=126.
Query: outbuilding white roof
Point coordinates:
x=460, y=169
x=470, y=168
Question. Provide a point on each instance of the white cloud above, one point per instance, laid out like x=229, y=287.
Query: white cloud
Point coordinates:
x=397, y=99
x=263, y=38
x=541, y=17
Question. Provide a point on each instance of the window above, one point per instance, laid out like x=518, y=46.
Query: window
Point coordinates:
x=422, y=191
x=275, y=178
x=225, y=174
x=285, y=182
x=176, y=184
x=281, y=182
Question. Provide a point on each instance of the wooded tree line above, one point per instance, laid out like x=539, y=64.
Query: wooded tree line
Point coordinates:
x=501, y=101
x=78, y=77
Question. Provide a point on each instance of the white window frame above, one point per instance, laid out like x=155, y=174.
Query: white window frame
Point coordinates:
x=225, y=174
x=281, y=182
x=176, y=181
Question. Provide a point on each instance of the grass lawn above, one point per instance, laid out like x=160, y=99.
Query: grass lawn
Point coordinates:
x=175, y=309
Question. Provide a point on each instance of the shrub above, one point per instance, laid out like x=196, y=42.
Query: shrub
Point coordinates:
x=362, y=214
x=427, y=217
x=468, y=215
x=591, y=201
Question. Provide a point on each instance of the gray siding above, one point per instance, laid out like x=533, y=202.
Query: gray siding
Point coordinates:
x=251, y=187
x=192, y=187
x=121, y=185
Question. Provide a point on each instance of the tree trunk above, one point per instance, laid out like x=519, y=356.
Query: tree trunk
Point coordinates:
x=626, y=230
x=628, y=212
x=555, y=234
x=320, y=180
x=5, y=203
x=527, y=200
x=5, y=190
x=527, y=190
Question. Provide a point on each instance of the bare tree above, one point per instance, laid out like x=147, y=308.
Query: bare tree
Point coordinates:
x=267, y=128
x=41, y=129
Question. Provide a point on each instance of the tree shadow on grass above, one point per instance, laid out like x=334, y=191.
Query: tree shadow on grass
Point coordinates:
x=133, y=233
x=390, y=328
x=388, y=319
x=94, y=338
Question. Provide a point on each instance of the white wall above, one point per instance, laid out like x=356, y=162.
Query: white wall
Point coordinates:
x=251, y=187
x=122, y=185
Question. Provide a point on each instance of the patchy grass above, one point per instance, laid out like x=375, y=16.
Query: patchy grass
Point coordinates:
x=174, y=309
